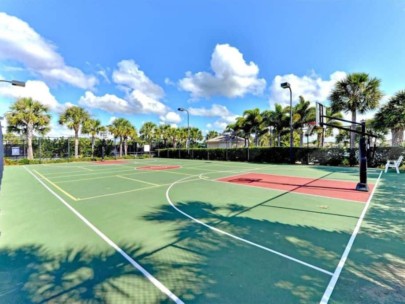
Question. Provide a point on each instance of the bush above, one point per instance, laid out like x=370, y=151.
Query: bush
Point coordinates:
x=323, y=156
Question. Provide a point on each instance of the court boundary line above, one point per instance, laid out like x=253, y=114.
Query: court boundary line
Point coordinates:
x=56, y=186
x=134, y=190
x=336, y=274
x=136, y=180
x=237, y=237
x=149, y=276
x=110, y=176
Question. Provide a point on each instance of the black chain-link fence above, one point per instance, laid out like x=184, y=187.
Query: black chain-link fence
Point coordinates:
x=322, y=156
x=64, y=147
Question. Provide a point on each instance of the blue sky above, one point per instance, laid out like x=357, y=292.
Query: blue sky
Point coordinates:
x=143, y=59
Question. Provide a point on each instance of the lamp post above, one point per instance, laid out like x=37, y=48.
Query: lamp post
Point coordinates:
x=14, y=82
x=188, y=128
x=286, y=85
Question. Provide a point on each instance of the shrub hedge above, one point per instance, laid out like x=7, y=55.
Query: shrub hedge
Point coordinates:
x=323, y=156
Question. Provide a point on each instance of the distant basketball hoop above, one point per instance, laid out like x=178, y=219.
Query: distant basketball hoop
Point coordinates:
x=310, y=128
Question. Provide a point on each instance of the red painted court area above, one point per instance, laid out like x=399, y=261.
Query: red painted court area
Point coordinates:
x=322, y=187
x=154, y=168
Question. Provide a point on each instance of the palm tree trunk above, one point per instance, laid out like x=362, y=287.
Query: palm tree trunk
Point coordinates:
x=125, y=147
x=397, y=137
x=302, y=137
x=76, y=144
x=30, y=153
x=92, y=146
x=120, y=146
x=353, y=127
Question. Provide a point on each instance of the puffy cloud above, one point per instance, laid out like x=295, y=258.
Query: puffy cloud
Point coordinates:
x=226, y=117
x=19, y=42
x=142, y=95
x=135, y=102
x=215, y=110
x=311, y=87
x=170, y=118
x=130, y=76
x=232, y=76
x=107, y=102
x=37, y=90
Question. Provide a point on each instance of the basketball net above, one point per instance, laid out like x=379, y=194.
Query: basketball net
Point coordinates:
x=310, y=127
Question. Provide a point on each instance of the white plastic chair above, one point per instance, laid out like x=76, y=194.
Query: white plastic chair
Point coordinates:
x=394, y=164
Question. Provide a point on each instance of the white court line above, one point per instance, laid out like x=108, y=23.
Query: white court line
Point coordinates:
x=150, y=277
x=338, y=270
x=237, y=237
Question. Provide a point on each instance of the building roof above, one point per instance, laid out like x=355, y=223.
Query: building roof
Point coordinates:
x=224, y=139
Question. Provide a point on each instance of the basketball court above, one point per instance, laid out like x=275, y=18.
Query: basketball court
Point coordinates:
x=170, y=230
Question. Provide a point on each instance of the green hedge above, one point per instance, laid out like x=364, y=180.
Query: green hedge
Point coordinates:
x=322, y=156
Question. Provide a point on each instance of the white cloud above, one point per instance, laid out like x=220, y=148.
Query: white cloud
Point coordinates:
x=19, y=42
x=232, y=76
x=169, y=82
x=37, y=90
x=107, y=102
x=170, y=118
x=311, y=87
x=142, y=95
x=135, y=102
x=215, y=110
x=226, y=117
x=129, y=75
x=104, y=75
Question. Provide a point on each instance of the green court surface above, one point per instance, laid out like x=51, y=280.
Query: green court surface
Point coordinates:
x=113, y=233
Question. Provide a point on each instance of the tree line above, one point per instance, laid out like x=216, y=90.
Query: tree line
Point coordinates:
x=357, y=93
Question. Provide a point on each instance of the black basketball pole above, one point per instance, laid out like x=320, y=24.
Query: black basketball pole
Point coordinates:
x=362, y=185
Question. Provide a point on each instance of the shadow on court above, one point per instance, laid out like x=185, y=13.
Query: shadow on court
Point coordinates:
x=375, y=271
x=224, y=270
x=31, y=275
x=218, y=269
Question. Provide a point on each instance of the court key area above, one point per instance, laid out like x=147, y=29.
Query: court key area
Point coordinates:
x=188, y=231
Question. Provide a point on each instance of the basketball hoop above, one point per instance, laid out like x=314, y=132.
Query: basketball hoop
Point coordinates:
x=310, y=127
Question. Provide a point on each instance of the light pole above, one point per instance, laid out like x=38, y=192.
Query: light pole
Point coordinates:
x=286, y=85
x=14, y=82
x=188, y=128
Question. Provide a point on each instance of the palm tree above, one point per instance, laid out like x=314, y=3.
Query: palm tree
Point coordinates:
x=211, y=134
x=74, y=118
x=279, y=119
x=147, y=132
x=164, y=133
x=182, y=135
x=392, y=116
x=323, y=132
x=27, y=116
x=173, y=135
x=121, y=128
x=128, y=132
x=356, y=93
x=252, y=120
x=93, y=127
x=303, y=113
x=195, y=135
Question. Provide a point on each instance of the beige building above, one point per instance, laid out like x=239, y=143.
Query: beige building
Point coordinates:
x=225, y=142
